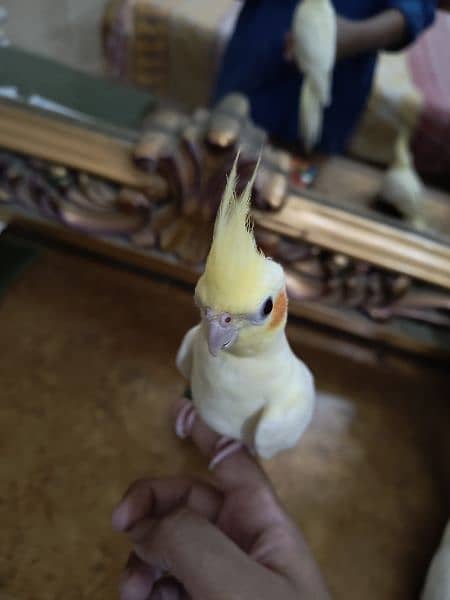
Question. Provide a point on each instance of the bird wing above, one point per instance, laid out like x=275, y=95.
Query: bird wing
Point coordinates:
x=283, y=421
x=310, y=115
x=184, y=355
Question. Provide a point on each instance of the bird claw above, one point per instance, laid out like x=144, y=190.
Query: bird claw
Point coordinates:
x=224, y=448
x=185, y=421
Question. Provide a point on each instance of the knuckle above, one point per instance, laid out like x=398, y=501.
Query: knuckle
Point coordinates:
x=171, y=527
x=171, y=534
x=281, y=535
x=264, y=497
x=142, y=533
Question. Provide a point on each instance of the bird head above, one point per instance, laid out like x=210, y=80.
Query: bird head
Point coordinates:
x=241, y=294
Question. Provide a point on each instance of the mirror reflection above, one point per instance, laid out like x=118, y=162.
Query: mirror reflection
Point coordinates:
x=364, y=83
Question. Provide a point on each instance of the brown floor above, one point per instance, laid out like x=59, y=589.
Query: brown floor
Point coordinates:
x=86, y=378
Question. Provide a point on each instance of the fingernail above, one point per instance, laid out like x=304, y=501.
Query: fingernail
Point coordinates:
x=119, y=518
x=134, y=586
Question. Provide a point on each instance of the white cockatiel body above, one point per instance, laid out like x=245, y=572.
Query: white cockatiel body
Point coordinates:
x=437, y=584
x=246, y=382
x=314, y=46
x=401, y=185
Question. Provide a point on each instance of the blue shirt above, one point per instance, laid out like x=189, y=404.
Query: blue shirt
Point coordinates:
x=253, y=64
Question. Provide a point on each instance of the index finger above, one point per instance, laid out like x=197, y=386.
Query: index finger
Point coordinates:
x=156, y=498
x=239, y=470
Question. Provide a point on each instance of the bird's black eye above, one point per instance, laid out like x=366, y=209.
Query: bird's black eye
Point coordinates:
x=268, y=307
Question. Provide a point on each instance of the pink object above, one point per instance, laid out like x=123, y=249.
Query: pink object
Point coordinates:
x=185, y=420
x=225, y=447
x=429, y=63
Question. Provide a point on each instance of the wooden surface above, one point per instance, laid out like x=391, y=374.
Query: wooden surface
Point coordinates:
x=305, y=218
x=411, y=337
x=354, y=185
x=87, y=376
x=29, y=132
x=318, y=217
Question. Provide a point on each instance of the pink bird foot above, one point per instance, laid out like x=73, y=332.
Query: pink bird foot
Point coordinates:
x=185, y=420
x=224, y=448
x=184, y=423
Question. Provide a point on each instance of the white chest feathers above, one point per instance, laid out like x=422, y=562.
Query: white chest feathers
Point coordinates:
x=265, y=400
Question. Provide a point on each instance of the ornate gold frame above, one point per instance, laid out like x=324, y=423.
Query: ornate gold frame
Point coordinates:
x=415, y=268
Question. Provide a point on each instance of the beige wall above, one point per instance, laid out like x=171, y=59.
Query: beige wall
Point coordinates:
x=67, y=30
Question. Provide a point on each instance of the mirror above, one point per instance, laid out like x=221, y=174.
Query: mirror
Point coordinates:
x=113, y=99
x=178, y=53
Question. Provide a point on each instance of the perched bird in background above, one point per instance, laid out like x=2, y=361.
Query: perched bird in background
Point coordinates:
x=246, y=382
x=437, y=584
x=401, y=186
x=314, y=47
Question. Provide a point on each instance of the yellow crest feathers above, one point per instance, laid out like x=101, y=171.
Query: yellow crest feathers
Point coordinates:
x=235, y=269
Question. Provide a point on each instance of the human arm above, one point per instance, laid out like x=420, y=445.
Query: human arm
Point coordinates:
x=390, y=29
x=229, y=539
x=397, y=26
x=384, y=31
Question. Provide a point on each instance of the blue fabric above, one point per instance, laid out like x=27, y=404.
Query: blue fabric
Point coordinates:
x=253, y=64
x=418, y=15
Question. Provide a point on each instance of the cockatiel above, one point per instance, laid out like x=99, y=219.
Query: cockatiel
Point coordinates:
x=401, y=186
x=246, y=382
x=437, y=584
x=314, y=48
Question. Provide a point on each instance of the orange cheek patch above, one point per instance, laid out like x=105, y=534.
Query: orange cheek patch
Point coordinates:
x=279, y=310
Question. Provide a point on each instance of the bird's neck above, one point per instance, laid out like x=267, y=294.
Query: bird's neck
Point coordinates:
x=402, y=152
x=256, y=345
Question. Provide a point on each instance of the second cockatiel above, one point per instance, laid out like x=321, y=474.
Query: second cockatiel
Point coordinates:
x=314, y=48
x=401, y=186
x=246, y=382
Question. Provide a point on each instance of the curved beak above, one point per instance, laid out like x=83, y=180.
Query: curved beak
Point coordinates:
x=220, y=336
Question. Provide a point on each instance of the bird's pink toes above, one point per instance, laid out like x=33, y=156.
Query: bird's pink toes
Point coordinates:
x=224, y=448
x=185, y=420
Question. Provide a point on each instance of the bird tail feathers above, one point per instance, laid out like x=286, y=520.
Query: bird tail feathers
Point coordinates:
x=321, y=82
x=310, y=112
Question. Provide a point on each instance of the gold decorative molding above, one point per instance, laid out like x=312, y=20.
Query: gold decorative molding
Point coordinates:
x=388, y=247
x=31, y=133
x=345, y=271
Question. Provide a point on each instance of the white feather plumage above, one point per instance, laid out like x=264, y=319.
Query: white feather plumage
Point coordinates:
x=265, y=400
x=401, y=185
x=437, y=585
x=314, y=33
x=257, y=390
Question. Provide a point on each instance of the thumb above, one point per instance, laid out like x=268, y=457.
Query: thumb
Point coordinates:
x=196, y=553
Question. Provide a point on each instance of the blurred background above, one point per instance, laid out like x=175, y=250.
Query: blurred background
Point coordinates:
x=67, y=30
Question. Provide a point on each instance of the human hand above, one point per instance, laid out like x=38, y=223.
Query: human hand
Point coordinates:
x=225, y=540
